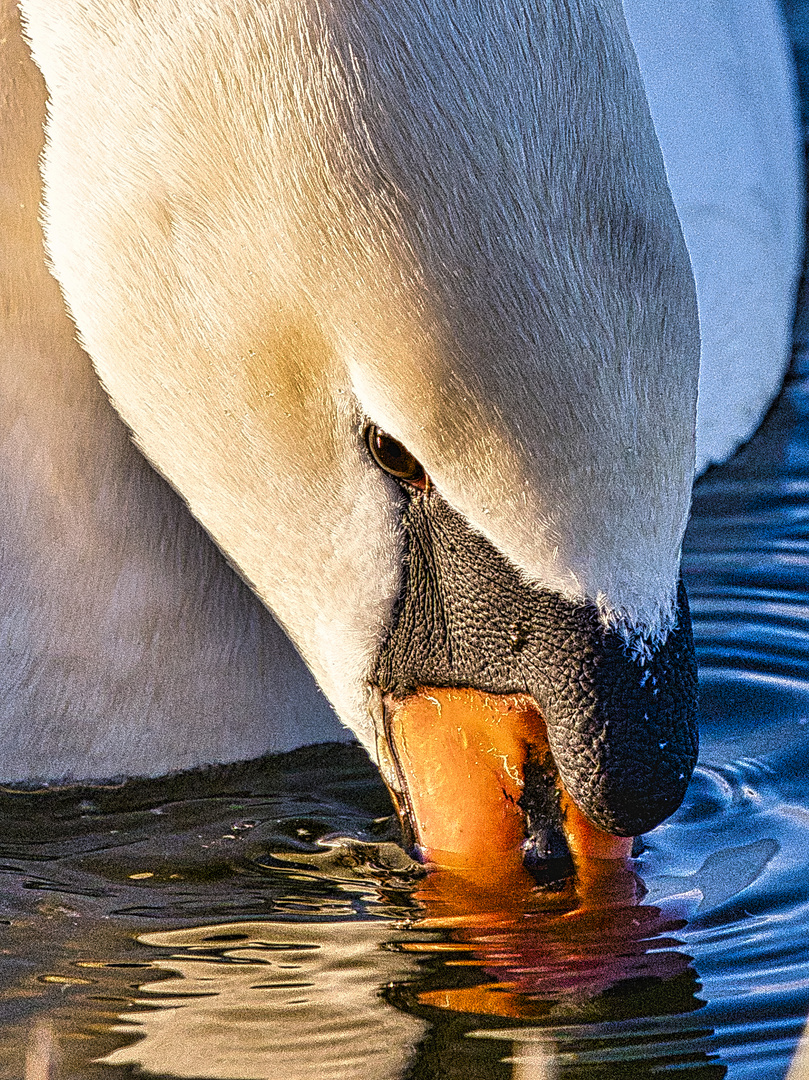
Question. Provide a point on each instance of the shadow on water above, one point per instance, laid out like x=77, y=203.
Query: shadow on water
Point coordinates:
x=210, y=928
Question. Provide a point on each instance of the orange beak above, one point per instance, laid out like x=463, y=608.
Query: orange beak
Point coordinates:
x=461, y=758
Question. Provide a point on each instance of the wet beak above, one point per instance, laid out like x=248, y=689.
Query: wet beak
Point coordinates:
x=460, y=757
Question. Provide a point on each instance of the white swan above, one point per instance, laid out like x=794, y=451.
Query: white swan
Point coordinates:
x=275, y=224
x=720, y=85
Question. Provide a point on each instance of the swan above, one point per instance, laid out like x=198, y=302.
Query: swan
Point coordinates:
x=397, y=300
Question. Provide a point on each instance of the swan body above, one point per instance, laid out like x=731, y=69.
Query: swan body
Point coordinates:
x=721, y=89
x=263, y=252
x=128, y=647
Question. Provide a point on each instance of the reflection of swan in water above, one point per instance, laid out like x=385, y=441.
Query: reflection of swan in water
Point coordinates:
x=262, y=1000
x=256, y=282
x=317, y=1000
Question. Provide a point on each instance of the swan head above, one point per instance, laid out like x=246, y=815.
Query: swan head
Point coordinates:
x=288, y=232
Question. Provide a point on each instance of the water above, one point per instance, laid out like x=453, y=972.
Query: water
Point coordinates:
x=261, y=922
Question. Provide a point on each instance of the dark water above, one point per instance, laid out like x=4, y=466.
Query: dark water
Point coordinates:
x=260, y=921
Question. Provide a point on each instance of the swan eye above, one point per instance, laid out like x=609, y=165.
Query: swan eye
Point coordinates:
x=391, y=456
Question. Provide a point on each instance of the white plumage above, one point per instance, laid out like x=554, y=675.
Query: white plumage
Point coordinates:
x=273, y=222
x=721, y=87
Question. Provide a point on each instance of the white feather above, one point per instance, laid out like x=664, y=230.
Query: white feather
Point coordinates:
x=721, y=86
x=271, y=222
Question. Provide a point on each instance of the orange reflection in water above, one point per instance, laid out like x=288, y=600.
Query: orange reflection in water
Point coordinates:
x=531, y=946
x=461, y=758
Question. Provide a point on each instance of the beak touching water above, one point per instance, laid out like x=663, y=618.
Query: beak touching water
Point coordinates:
x=513, y=718
x=461, y=758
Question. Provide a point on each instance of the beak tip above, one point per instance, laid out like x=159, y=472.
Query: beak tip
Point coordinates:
x=630, y=808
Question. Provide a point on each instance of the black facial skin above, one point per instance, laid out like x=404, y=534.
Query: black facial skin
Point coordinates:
x=623, y=734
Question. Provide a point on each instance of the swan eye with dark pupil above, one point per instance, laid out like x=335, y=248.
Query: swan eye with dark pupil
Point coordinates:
x=391, y=456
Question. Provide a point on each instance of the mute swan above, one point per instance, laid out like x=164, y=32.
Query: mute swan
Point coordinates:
x=301, y=239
